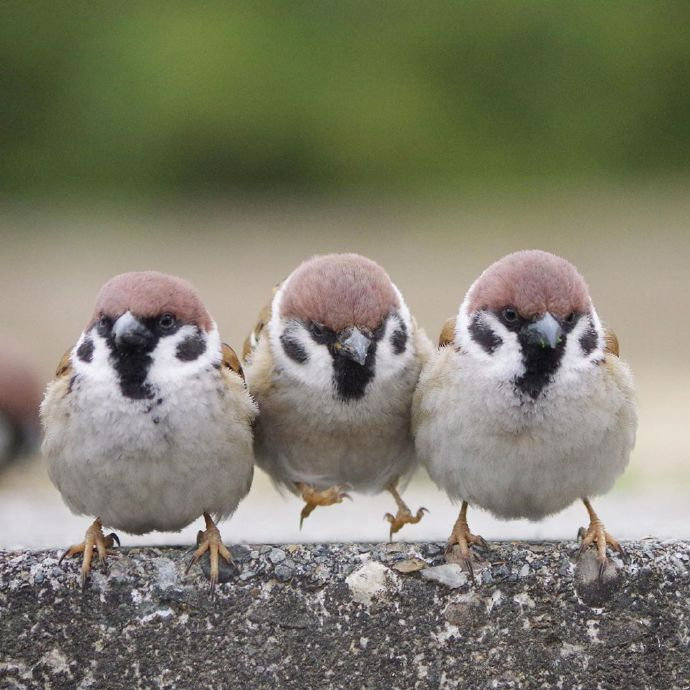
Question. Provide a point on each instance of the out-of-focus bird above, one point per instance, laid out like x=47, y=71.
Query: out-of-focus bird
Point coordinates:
x=526, y=406
x=20, y=397
x=148, y=421
x=333, y=363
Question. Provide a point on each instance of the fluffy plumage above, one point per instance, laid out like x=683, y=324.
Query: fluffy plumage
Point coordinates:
x=526, y=406
x=325, y=419
x=148, y=422
x=481, y=443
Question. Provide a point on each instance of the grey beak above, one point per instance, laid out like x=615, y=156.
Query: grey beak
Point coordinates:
x=355, y=346
x=130, y=333
x=545, y=332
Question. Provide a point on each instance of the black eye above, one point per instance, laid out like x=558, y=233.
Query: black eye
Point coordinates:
x=104, y=323
x=570, y=319
x=320, y=333
x=166, y=322
x=317, y=329
x=509, y=315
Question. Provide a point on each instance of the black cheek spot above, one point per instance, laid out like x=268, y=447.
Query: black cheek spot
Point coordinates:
x=191, y=348
x=399, y=339
x=483, y=335
x=294, y=350
x=588, y=340
x=85, y=350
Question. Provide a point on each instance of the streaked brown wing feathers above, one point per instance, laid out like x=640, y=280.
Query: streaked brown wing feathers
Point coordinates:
x=611, y=342
x=447, y=333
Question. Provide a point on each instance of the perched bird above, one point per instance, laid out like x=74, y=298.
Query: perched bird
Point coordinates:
x=526, y=406
x=148, y=421
x=20, y=397
x=333, y=363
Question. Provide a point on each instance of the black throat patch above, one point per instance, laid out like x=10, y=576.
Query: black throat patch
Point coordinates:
x=131, y=365
x=132, y=369
x=351, y=379
x=541, y=363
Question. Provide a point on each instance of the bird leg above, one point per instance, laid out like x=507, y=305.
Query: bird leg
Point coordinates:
x=404, y=515
x=596, y=533
x=462, y=536
x=209, y=540
x=313, y=498
x=94, y=539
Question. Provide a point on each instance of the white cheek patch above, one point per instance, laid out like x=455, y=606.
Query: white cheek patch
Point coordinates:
x=575, y=358
x=390, y=363
x=317, y=370
x=98, y=369
x=167, y=368
x=505, y=362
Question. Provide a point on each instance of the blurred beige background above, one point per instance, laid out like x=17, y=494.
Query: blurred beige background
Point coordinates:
x=225, y=142
x=631, y=243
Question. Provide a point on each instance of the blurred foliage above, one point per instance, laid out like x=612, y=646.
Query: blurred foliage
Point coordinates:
x=170, y=98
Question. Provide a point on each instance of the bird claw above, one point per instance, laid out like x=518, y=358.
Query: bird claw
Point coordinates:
x=313, y=498
x=467, y=565
x=210, y=540
x=462, y=558
x=597, y=535
x=403, y=517
x=94, y=540
x=465, y=541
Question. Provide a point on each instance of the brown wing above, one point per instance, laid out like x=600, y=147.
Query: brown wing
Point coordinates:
x=65, y=366
x=264, y=317
x=447, y=333
x=253, y=338
x=231, y=360
x=611, y=342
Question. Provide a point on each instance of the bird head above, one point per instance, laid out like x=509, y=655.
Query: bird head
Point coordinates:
x=340, y=325
x=147, y=326
x=529, y=318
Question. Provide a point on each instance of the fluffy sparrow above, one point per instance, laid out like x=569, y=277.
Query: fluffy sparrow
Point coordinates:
x=20, y=396
x=526, y=406
x=148, y=421
x=333, y=363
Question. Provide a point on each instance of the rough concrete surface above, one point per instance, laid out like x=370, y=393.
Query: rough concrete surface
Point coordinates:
x=350, y=616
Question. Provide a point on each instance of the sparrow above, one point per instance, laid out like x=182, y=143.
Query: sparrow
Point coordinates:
x=148, y=422
x=20, y=397
x=526, y=406
x=333, y=363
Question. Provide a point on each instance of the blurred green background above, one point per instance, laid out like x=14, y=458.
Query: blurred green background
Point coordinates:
x=227, y=141
x=333, y=97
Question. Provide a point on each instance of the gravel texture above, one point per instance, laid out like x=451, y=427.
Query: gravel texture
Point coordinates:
x=350, y=616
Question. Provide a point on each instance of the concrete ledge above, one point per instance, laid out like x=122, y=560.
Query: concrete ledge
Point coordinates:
x=350, y=616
